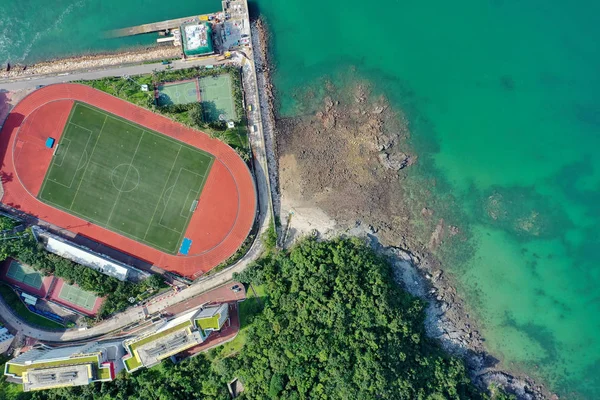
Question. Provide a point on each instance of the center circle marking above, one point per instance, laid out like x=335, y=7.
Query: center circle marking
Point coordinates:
x=120, y=173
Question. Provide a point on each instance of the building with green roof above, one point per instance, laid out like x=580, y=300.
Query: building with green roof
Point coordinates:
x=172, y=337
x=45, y=367
x=197, y=39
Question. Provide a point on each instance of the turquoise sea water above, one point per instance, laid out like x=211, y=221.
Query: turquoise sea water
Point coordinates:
x=502, y=101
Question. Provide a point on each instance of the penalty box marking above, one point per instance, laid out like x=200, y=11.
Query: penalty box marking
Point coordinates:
x=167, y=204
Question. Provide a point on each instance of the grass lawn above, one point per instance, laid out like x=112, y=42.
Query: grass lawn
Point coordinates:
x=121, y=176
x=13, y=300
x=248, y=309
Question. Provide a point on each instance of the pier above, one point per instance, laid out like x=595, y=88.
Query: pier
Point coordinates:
x=156, y=26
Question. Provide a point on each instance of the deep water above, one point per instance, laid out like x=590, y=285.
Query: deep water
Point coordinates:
x=502, y=99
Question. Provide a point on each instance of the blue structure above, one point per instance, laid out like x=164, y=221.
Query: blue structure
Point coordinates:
x=185, y=246
x=49, y=142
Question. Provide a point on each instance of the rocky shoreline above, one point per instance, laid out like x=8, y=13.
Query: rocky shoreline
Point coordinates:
x=448, y=321
x=321, y=198
x=94, y=61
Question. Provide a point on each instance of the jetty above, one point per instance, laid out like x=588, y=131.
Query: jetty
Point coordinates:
x=157, y=26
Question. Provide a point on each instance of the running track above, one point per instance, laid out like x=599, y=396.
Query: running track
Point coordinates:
x=226, y=207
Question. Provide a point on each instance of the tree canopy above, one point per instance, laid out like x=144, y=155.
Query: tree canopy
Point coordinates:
x=337, y=326
x=334, y=325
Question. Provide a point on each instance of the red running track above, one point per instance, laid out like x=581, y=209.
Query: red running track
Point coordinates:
x=226, y=207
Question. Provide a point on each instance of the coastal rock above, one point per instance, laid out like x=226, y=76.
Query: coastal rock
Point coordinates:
x=394, y=161
x=426, y=212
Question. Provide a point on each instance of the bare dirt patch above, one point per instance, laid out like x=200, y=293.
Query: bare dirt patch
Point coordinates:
x=347, y=159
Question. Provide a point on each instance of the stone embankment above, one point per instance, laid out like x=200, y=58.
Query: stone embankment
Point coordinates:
x=95, y=61
x=260, y=40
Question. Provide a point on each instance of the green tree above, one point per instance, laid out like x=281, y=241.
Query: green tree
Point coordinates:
x=196, y=114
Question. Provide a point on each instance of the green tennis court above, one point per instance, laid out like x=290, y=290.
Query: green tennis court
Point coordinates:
x=24, y=274
x=77, y=296
x=217, y=97
x=126, y=178
x=178, y=93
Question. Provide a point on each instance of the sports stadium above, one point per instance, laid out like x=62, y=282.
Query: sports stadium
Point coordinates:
x=128, y=178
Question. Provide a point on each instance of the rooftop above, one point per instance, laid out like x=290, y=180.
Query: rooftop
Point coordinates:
x=18, y=369
x=151, y=349
x=83, y=257
x=212, y=317
x=73, y=375
x=151, y=353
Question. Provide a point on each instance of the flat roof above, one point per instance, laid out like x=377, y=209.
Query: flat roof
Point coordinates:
x=153, y=352
x=72, y=375
x=154, y=341
x=19, y=369
x=83, y=257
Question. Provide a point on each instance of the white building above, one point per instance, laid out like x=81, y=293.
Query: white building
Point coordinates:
x=6, y=339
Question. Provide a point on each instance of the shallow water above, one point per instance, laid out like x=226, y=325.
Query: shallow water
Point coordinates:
x=34, y=30
x=502, y=102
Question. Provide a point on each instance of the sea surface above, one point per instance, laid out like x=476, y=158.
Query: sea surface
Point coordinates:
x=503, y=102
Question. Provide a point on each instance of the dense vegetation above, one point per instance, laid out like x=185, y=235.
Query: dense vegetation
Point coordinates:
x=7, y=224
x=337, y=326
x=128, y=88
x=26, y=249
x=332, y=325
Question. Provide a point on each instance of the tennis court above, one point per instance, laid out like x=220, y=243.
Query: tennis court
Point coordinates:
x=74, y=295
x=24, y=274
x=126, y=178
x=178, y=93
x=217, y=97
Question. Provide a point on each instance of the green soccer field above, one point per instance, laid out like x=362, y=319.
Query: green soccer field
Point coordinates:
x=119, y=175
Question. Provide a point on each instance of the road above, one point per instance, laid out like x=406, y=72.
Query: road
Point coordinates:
x=134, y=314
x=30, y=82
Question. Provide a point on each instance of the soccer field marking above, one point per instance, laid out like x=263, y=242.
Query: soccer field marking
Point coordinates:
x=58, y=166
x=125, y=179
x=130, y=167
x=103, y=225
x=142, y=127
x=79, y=126
x=87, y=164
x=83, y=156
x=163, y=191
x=189, y=209
x=63, y=152
x=169, y=190
x=174, y=185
